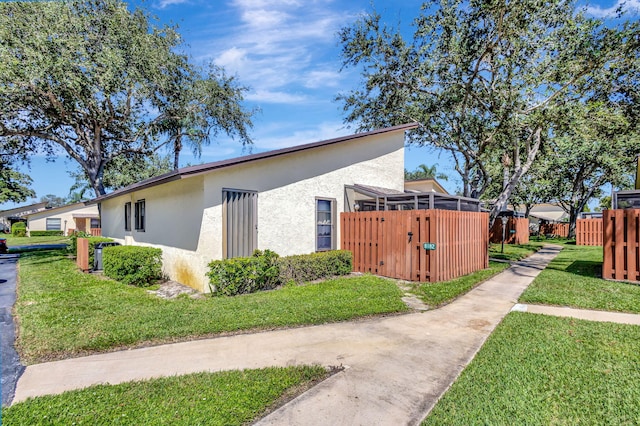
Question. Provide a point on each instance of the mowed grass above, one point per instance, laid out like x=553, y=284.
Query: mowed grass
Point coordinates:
x=572, y=279
x=514, y=251
x=226, y=398
x=438, y=294
x=28, y=241
x=543, y=370
x=64, y=313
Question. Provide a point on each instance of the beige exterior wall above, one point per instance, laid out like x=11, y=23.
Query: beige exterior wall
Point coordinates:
x=425, y=185
x=38, y=221
x=184, y=217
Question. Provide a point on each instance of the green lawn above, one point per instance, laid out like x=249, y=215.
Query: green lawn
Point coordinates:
x=64, y=313
x=542, y=370
x=514, y=251
x=27, y=241
x=571, y=279
x=438, y=294
x=226, y=398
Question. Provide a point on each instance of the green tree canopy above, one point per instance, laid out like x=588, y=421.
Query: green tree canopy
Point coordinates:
x=487, y=80
x=98, y=81
x=425, y=172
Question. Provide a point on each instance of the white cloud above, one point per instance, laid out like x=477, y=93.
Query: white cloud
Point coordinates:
x=164, y=3
x=281, y=48
x=631, y=7
x=322, y=131
x=275, y=97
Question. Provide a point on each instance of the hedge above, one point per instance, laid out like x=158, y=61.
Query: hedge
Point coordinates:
x=45, y=233
x=309, y=267
x=19, y=229
x=134, y=265
x=241, y=275
x=266, y=270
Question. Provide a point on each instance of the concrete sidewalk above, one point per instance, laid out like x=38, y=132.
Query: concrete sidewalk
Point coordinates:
x=585, y=314
x=396, y=367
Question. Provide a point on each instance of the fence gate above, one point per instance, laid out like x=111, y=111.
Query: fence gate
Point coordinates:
x=417, y=245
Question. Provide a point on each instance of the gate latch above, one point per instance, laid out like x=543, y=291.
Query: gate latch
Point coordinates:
x=410, y=236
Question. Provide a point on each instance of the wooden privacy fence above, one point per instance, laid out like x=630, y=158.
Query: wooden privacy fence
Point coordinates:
x=621, y=238
x=417, y=245
x=516, y=231
x=589, y=232
x=557, y=229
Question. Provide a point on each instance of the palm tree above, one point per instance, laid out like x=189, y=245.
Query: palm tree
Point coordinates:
x=425, y=172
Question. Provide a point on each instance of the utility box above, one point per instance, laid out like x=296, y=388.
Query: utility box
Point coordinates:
x=97, y=254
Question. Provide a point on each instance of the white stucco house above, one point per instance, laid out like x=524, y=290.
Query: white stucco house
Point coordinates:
x=78, y=216
x=287, y=200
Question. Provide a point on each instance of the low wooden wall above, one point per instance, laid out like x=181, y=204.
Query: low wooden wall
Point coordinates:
x=557, y=229
x=516, y=231
x=392, y=243
x=589, y=232
x=82, y=254
x=620, y=244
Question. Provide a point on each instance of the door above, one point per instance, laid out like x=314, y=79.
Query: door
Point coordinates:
x=240, y=223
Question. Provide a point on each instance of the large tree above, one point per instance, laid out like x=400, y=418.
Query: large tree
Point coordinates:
x=486, y=79
x=597, y=147
x=97, y=80
x=14, y=186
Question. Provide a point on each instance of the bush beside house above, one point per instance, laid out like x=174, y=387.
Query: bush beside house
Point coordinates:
x=134, y=265
x=19, y=229
x=266, y=270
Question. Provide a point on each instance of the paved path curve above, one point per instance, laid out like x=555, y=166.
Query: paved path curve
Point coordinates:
x=396, y=367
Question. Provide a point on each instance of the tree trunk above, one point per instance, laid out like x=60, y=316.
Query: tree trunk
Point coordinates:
x=518, y=172
x=177, y=147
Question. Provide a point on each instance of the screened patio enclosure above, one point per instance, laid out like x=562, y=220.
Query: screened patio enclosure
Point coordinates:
x=371, y=198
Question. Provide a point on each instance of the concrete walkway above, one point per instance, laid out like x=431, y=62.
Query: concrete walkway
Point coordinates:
x=585, y=314
x=396, y=367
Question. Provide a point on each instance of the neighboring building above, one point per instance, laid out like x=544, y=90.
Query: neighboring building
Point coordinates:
x=286, y=200
x=78, y=217
x=18, y=214
x=424, y=185
x=629, y=199
x=547, y=212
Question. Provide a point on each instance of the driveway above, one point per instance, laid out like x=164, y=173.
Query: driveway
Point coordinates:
x=11, y=367
x=396, y=367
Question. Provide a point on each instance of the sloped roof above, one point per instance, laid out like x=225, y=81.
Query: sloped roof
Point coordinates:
x=208, y=167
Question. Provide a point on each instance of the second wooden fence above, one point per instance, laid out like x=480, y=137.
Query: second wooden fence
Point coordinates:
x=417, y=245
x=621, y=257
x=516, y=231
x=589, y=232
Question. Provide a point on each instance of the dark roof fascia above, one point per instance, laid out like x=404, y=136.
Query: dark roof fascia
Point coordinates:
x=208, y=167
x=7, y=213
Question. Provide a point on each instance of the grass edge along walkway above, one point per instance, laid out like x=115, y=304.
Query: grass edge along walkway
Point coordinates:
x=64, y=313
x=221, y=398
x=539, y=369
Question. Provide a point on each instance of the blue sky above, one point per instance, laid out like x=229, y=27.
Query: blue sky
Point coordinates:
x=286, y=52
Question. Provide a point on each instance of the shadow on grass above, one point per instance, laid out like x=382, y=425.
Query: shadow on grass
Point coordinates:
x=585, y=268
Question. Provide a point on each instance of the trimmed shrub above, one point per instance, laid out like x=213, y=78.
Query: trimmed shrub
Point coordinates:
x=243, y=275
x=132, y=265
x=19, y=229
x=73, y=240
x=45, y=233
x=92, y=247
x=309, y=267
